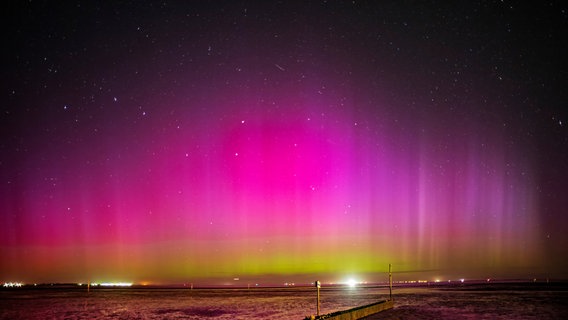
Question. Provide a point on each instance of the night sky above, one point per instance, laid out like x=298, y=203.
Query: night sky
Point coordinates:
x=276, y=141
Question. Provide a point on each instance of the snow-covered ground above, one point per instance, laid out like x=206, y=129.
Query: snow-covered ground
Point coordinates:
x=290, y=303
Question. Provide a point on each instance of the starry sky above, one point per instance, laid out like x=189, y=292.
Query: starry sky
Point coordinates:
x=180, y=141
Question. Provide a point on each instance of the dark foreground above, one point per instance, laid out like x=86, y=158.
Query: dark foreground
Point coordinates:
x=479, y=301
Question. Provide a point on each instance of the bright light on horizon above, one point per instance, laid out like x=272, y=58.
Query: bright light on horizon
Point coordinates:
x=351, y=282
x=13, y=284
x=112, y=284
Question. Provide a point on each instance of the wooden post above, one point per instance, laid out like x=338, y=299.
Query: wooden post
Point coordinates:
x=318, y=285
x=390, y=282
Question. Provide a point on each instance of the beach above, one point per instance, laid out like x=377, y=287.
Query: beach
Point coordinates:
x=520, y=301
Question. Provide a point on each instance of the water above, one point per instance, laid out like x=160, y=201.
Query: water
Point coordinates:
x=480, y=301
x=461, y=302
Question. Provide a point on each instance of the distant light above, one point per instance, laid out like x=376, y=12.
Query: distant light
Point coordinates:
x=462, y=280
x=115, y=284
x=351, y=282
x=13, y=284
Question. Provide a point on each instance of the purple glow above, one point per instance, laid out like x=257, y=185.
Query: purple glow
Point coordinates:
x=328, y=144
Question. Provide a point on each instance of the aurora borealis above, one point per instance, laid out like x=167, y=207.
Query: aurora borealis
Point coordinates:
x=185, y=142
